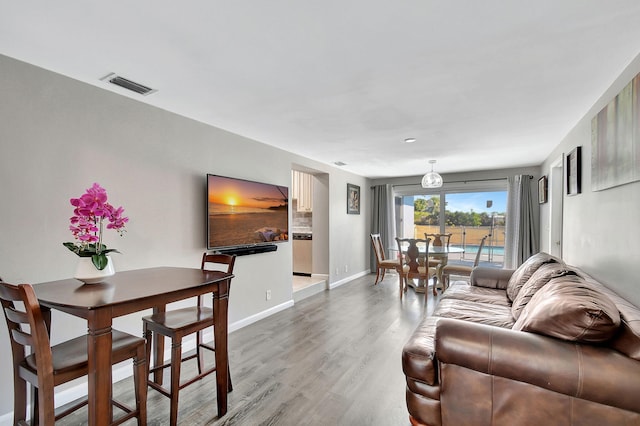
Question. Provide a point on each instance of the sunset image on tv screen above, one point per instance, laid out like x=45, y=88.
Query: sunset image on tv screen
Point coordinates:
x=242, y=212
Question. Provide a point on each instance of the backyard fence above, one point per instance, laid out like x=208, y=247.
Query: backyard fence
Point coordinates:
x=469, y=237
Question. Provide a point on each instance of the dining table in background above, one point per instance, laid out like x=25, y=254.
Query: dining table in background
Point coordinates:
x=132, y=291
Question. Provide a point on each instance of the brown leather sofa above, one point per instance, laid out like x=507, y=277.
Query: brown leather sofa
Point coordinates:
x=545, y=344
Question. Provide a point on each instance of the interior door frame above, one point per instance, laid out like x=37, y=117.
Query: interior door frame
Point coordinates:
x=556, y=200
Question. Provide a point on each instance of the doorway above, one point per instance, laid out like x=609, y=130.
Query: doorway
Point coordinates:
x=309, y=231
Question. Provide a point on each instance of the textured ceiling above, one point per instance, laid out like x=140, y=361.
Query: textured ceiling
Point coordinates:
x=480, y=84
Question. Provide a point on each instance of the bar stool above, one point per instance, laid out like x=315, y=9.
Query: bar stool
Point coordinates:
x=177, y=324
x=49, y=366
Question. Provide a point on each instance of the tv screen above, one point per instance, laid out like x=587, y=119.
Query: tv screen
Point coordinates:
x=245, y=213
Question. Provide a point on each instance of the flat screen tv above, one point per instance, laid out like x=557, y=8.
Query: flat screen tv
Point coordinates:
x=242, y=213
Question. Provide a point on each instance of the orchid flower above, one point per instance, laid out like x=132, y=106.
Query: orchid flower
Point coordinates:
x=90, y=211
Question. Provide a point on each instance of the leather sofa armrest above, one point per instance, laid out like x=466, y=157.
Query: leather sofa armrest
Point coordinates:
x=483, y=276
x=589, y=372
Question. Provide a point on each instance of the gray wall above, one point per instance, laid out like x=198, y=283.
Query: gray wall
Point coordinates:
x=601, y=229
x=58, y=136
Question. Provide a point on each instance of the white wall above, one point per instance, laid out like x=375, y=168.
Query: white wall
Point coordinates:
x=58, y=136
x=601, y=230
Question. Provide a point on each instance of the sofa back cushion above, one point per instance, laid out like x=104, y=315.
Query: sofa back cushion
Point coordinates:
x=627, y=340
x=521, y=275
x=572, y=309
x=545, y=273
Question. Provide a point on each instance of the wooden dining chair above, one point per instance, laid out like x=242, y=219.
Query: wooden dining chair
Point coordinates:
x=46, y=366
x=382, y=263
x=438, y=240
x=464, y=270
x=414, y=262
x=176, y=324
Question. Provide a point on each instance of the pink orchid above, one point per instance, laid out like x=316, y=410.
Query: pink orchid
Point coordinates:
x=91, y=209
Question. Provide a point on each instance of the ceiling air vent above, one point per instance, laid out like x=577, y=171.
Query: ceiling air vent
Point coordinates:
x=128, y=84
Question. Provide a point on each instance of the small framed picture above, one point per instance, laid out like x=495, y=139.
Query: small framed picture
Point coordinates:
x=574, y=171
x=542, y=190
x=353, y=199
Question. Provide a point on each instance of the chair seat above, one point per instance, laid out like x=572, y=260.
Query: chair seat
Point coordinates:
x=72, y=355
x=422, y=270
x=191, y=317
x=389, y=263
x=457, y=269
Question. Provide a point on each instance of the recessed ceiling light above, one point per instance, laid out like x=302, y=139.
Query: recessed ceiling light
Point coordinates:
x=339, y=163
x=409, y=140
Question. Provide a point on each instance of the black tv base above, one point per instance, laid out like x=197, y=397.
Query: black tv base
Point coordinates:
x=243, y=251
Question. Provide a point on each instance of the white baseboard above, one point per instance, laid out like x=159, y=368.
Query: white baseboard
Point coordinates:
x=348, y=279
x=260, y=315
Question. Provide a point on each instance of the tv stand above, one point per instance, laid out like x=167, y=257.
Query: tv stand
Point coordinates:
x=245, y=250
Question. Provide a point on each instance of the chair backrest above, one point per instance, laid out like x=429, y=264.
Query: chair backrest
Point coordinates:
x=36, y=337
x=209, y=260
x=378, y=249
x=217, y=262
x=439, y=240
x=410, y=253
x=479, y=253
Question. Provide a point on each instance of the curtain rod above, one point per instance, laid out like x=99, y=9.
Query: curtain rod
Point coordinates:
x=457, y=181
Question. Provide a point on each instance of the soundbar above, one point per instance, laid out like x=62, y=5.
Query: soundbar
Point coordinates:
x=245, y=250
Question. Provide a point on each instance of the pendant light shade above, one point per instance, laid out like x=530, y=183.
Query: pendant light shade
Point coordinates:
x=432, y=179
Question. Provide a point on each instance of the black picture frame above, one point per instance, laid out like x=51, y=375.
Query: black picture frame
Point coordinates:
x=574, y=171
x=353, y=199
x=542, y=190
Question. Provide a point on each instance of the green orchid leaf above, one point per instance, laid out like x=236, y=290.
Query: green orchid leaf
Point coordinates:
x=71, y=246
x=100, y=261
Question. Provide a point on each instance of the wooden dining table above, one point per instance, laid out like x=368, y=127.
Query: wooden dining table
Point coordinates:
x=128, y=292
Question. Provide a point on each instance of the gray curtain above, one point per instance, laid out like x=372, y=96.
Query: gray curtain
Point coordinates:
x=521, y=228
x=382, y=218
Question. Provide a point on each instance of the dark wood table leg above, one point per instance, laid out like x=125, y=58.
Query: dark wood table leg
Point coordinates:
x=220, y=307
x=158, y=350
x=99, y=358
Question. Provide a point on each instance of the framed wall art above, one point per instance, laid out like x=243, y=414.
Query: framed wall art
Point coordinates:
x=615, y=140
x=353, y=199
x=542, y=190
x=574, y=171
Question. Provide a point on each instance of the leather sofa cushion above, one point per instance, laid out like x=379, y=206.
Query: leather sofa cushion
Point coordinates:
x=569, y=308
x=462, y=290
x=523, y=273
x=538, y=279
x=478, y=312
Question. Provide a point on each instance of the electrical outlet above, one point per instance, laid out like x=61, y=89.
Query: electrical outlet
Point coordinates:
x=346, y=268
x=337, y=271
x=268, y=295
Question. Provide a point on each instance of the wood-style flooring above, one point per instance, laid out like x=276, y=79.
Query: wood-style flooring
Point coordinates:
x=332, y=359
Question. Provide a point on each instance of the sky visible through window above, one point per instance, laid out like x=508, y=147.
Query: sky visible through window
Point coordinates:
x=476, y=201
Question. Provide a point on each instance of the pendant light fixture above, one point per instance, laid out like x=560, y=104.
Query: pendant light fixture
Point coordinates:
x=432, y=179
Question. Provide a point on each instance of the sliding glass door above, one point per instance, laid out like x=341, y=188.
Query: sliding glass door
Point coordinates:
x=468, y=215
x=472, y=215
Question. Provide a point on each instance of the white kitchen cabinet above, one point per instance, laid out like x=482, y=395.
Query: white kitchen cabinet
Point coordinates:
x=302, y=190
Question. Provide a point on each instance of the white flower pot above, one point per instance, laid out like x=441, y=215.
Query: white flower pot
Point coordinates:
x=87, y=272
